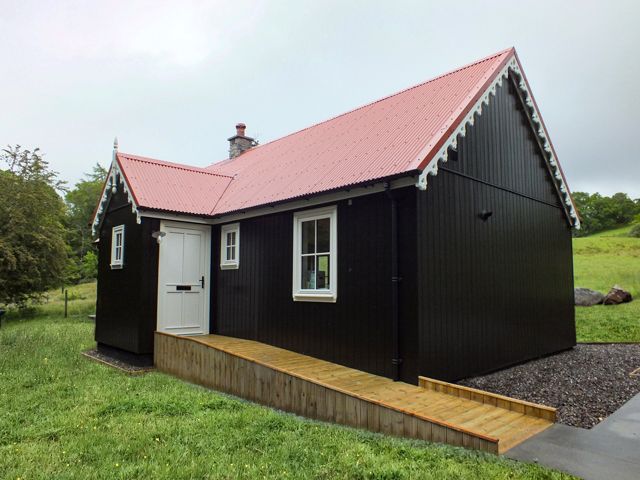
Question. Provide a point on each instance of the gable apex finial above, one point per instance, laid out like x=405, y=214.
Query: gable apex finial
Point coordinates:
x=115, y=147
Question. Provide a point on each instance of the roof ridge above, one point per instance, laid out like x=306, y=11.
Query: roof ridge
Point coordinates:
x=177, y=166
x=451, y=72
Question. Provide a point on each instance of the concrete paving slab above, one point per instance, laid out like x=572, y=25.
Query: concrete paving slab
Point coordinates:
x=611, y=450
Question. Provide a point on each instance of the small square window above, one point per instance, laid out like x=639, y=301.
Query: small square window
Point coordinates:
x=230, y=246
x=117, y=247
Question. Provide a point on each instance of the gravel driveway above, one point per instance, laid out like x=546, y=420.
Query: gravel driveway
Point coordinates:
x=586, y=384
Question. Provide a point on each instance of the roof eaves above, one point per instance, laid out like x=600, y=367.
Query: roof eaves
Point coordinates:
x=126, y=180
x=551, y=146
x=345, y=188
x=431, y=157
x=549, y=151
x=144, y=209
x=115, y=169
x=425, y=157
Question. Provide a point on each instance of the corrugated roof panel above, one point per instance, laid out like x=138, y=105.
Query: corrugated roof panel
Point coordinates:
x=373, y=142
x=172, y=187
x=385, y=138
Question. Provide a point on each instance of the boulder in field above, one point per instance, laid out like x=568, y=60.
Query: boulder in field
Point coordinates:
x=585, y=297
x=616, y=296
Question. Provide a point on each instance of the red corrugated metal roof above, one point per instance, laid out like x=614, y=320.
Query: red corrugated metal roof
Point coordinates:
x=170, y=186
x=379, y=140
x=390, y=137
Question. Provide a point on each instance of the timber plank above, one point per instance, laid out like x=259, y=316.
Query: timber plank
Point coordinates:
x=435, y=411
x=373, y=417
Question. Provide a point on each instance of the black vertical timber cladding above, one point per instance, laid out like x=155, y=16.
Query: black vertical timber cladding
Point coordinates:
x=496, y=292
x=255, y=301
x=408, y=287
x=501, y=149
x=127, y=297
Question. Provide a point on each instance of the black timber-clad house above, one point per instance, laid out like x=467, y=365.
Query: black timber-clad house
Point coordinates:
x=454, y=263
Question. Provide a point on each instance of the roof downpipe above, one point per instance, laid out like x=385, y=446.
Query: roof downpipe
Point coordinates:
x=396, y=361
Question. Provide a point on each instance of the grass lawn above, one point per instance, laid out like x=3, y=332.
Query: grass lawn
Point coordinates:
x=600, y=261
x=64, y=416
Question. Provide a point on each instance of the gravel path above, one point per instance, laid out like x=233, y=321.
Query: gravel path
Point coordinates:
x=586, y=384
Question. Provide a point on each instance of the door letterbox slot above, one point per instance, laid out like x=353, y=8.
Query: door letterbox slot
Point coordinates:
x=183, y=287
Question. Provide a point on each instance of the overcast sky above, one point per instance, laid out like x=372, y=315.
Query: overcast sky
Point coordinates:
x=171, y=79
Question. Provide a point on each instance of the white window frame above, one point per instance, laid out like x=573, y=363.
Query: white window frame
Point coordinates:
x=225, y=263
x=117, y=262
x=321, y=295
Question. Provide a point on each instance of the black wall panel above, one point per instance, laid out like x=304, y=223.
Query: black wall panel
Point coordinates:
x=498, y=291
x=255, y=301
x=500, y=148
x=127, y=298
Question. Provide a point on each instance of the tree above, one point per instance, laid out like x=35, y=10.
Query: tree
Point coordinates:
x=90, y=265
x=32, y=234
x=81, y=203
x=600, y=213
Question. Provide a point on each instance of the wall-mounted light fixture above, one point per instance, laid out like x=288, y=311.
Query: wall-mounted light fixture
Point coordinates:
x=485, y=214
x=159, y=236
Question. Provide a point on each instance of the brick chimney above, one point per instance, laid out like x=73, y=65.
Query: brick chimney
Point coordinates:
x=240, y=143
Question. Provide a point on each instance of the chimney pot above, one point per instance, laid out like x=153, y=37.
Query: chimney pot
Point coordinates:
x=240, y=128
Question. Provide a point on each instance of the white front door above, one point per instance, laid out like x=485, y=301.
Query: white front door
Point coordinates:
x=183, y=278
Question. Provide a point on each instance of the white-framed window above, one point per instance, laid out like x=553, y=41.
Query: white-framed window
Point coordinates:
x=117, y=246
x=315, y=255
x=230, y=246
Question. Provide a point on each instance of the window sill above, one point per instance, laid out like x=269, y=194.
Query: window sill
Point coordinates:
x=117, y=266
x=328, y=297
x=229, y=266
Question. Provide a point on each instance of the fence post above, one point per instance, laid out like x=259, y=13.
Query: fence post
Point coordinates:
x=66, y=299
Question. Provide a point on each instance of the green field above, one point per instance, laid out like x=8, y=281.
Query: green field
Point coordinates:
x=64, y=416
x=601, y=261
x=82, y=302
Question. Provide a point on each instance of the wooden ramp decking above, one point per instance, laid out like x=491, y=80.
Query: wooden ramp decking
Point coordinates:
x=434, y=411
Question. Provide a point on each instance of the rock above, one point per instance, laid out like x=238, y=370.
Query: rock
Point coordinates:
x=617, y=295
x=585, y=297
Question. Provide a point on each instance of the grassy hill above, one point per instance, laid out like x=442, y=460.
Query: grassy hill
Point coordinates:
x=601, y=261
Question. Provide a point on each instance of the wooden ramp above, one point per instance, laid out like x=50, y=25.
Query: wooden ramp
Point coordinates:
x=434, y=411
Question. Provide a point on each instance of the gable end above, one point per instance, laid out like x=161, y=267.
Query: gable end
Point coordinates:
x=511, y=70
x=114, y=178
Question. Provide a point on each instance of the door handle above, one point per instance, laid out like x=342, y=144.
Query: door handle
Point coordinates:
x=202, y=281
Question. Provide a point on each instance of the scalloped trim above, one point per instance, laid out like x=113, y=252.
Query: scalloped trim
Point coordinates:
x=110, y=187
x=441, y=156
